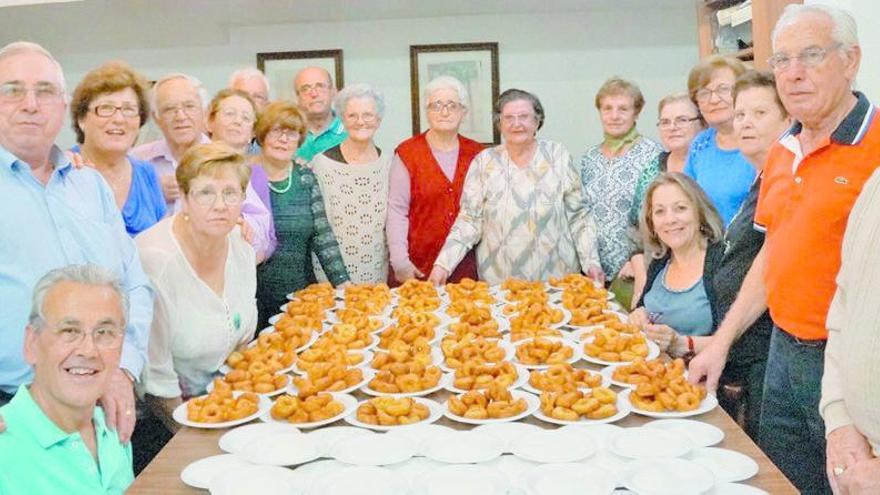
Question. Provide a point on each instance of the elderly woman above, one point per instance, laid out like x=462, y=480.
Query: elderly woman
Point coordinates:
x=427, y=177
x=231, y=117
x=290, y=191
x=108, y=108
x=522, y=203
x=353, y=176
x=610, y=170
x=714, y=160
x=204, y=276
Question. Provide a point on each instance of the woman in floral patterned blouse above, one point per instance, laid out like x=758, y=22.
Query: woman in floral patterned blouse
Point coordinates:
x=522, y=203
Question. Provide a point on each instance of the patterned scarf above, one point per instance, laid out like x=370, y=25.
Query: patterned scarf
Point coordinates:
x=616, y=144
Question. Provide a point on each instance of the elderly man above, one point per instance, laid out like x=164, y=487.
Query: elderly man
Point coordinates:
x=315, y=91
x=57, y=215
x=252, y=82
x=811, y=180
x=57, y=438
x=178, y=107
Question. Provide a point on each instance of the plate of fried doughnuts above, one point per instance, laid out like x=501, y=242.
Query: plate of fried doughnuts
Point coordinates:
x=495, y=405
x=309, y=412
x=387, y=413
x=575, y=412
x=221, y=409
x=480, y=376
x=416, y=380
x=274, y=385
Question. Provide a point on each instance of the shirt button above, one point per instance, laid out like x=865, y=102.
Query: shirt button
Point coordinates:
x=798, y=180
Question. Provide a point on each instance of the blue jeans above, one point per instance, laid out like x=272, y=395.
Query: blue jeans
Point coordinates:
x=792, y=432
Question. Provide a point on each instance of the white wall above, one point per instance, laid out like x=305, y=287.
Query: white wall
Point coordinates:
x=562, y=57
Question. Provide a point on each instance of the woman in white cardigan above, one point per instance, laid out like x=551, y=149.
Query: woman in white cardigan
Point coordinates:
x=354, y=182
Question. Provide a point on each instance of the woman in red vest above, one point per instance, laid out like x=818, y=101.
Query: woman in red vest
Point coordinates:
x=427, y=176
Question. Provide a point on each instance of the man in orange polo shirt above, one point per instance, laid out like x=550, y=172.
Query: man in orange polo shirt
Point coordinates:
x=811, y=180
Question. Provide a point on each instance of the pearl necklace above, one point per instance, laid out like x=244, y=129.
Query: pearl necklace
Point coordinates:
x=289, y=182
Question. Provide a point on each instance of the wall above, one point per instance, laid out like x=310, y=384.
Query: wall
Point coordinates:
x=562, y=57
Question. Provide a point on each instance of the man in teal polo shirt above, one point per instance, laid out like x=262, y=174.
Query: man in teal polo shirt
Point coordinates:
x=315, y=91
x=57, y=439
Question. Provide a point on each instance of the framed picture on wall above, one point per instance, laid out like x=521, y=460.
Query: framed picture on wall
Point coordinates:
x=476, y=66
x=281, y=67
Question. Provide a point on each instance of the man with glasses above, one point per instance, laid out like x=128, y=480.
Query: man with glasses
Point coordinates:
x=256, y=85
x=57, y=215
x=811, y=180
x=57, y=439
x=179, y=109
x=315, y=91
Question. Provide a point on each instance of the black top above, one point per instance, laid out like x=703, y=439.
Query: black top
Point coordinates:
x=335, y=154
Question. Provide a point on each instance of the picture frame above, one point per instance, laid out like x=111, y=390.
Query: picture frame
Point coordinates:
x=476, y=66
x=281, y=67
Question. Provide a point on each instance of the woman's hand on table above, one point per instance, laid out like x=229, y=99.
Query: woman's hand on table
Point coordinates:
x=438, y=275
x=595, y=272
x=863, y=478
x=407, y=272
x=845, y=447
x=639, y=318
x=663, y=335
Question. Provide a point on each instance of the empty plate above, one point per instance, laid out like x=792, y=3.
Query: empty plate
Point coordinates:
x=327, y=437
x=358, y=480
x=727, y=465
x=649, y=443
x=235, y=440
x=461, y=480
x=374, y=450
x=285, y=449
x=463, y=447
x=254, y=479
x=508, y=432
x=600, y=433
x=199, y=473
x=701, y=434
x=553, y=446
x=667, y=477
x=566, y=479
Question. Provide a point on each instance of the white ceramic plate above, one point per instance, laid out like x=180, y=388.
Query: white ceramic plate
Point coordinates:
x=701, y=434
x=623, y=410
x=236, y=439
x=508, y=432
x=410, y=471
x=349, y=402
x=210, y=388
x=566, y=479
x=649, y=443
x=254, y=479
x=368, y=356
x=374, y=450
x=327, y=437
x=553, y=446
x=449, y=378
x=365, y=388
x=529, y=388
x=314, y=471
x=461, y=480
x=735, y=489
x=667, y=477
x=420, y=432
x=509, y=352
x=728, y=466
x=359, y=480
x=286, y=449
x=709, y=403
x=463, y=447
x=532, y=405
x=434, y=408
x=653, y=352
x=513, y=467
x=576, y=352
x=368, y=375
x=199, y=473
x=600, y=433
x=179, y=415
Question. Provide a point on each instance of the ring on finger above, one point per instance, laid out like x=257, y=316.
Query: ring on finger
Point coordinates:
x=838, y=470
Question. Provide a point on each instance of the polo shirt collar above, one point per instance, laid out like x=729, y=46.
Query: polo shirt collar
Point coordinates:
x=335, y=127
x=44, y=430
x=58, y=158
x=852, y=129
x=164, y=151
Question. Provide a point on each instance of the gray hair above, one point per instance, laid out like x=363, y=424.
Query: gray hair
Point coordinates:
x=89, y=274
x=361, y=90
x=248, y=73
x=17, y=47
x=200, y=89
x=843, y=29
x=446, y=82
x=514, y=94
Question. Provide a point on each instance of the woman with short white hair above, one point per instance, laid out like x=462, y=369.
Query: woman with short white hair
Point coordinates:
x=427, y=178
x=353, y=177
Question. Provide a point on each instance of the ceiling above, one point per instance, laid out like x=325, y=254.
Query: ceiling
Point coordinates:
x=87, y=24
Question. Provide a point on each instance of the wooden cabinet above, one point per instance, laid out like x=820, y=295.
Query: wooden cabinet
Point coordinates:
x=764, y=14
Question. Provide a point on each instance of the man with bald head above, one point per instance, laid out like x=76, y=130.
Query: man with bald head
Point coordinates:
x=315, y=91
x=57, y=215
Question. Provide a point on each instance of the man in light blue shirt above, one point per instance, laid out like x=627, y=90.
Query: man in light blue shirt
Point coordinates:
x=315, y=91
x=57, y=439
x=56, y=215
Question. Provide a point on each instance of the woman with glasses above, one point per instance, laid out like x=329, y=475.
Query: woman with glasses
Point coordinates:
x=521, y=205
x=610, y=169
x=290, y=191
x=204, y=276
x=231, y=118
x=108, y=108
x=714, y=160
x=353, y=177
x=427, y=177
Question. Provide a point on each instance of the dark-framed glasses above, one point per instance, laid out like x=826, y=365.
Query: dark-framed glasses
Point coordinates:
x=319, y=87
x=105, y=110
x=278, y=133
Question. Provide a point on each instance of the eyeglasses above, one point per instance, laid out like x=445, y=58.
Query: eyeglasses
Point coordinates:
x=319, y=87
x=14, y=92
x=723, y=91
x=258, y=97
x=278, y=133
x=190, y=108
x=808, y=57
x=513, y=119
x=208, y=196
x=367, y=118
x=105, y=337
x=233, y=114
x=107, y=110
x=679, y=121
x=449, y=106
